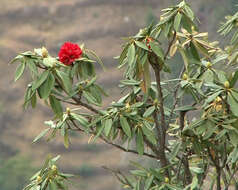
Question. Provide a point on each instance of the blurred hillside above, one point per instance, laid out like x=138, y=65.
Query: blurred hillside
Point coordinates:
x=99, y=24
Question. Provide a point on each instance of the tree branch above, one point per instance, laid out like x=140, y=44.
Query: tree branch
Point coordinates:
x=113, y=144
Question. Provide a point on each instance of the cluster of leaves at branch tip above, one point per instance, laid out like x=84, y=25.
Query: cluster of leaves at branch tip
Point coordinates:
x=188, y=124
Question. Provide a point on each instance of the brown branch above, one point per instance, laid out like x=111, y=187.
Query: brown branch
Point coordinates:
x=80, y=103
x=157, y=68
x=113, y=144
x=127, y=150
x=78, y=99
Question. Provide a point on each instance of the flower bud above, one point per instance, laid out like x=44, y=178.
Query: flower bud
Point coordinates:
x=67, y=111
x=38, y=179
x=44, y=52
x=128, y=107
x=218, y=99
x=185, y=76
x=166, y=180
x=227, y=84
x=156, y=101
x=209, y=65
x=218, y=108
x=54, y=168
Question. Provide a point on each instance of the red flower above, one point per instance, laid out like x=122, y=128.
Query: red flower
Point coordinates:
x=69, y=52
x=148, y=40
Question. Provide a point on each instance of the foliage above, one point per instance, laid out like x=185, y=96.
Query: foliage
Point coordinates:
x=49, y=177
x=193, y=141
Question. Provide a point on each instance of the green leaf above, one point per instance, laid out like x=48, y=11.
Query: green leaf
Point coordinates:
x=108, y=126
x=175, y=150
x=146, y=76
x=140, y=142
x=196, y=170
x=82, y=120
x=66, y=139
x=149, y=111
x=45, y=89
x=32, y=67
x=123, y=55
x=189, y=12
x=17, y=58
x=150, y=135
x=19, y=71
x=130, y=82
x=233, y=104
x=185, y=108
x=233, y=157
x=141, y=45
x=90, y=98
x=131, y=54
x=213, y=96
x=55, y=105
x=33, y=100
x=125, y=126
x=67, y=83
x=97, y=58
x=99, y=132
x=39, y=81
x=157, y=50
x=148, y=182
x=177, y=21
x=42, y=134
x=194, y=183
x=234, y=79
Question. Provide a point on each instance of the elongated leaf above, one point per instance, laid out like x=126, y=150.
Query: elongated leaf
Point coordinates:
x=148, y=182
x=82, y=120
x=108, y=126
x=39, y=81
x=55, y=105
x=33, y=100
x=97, y=58
x=177, y=21
x=67, y=84
x=66, y=139
x=131, y=54
x=141, y=45
x=234, y=79
x=90, y=98
x=146, y=76
x=19, y=71
x=233, y=104
x=157, y=50
x=149, y=111
x=150, y=135
x=140, y=142
x=99, y=132
x=175, y=150
x=45, y=89
x=125, y=126
x=42, y=134
x=185, y=108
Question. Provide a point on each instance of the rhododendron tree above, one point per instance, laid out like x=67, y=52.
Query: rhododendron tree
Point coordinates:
x=187, y=119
